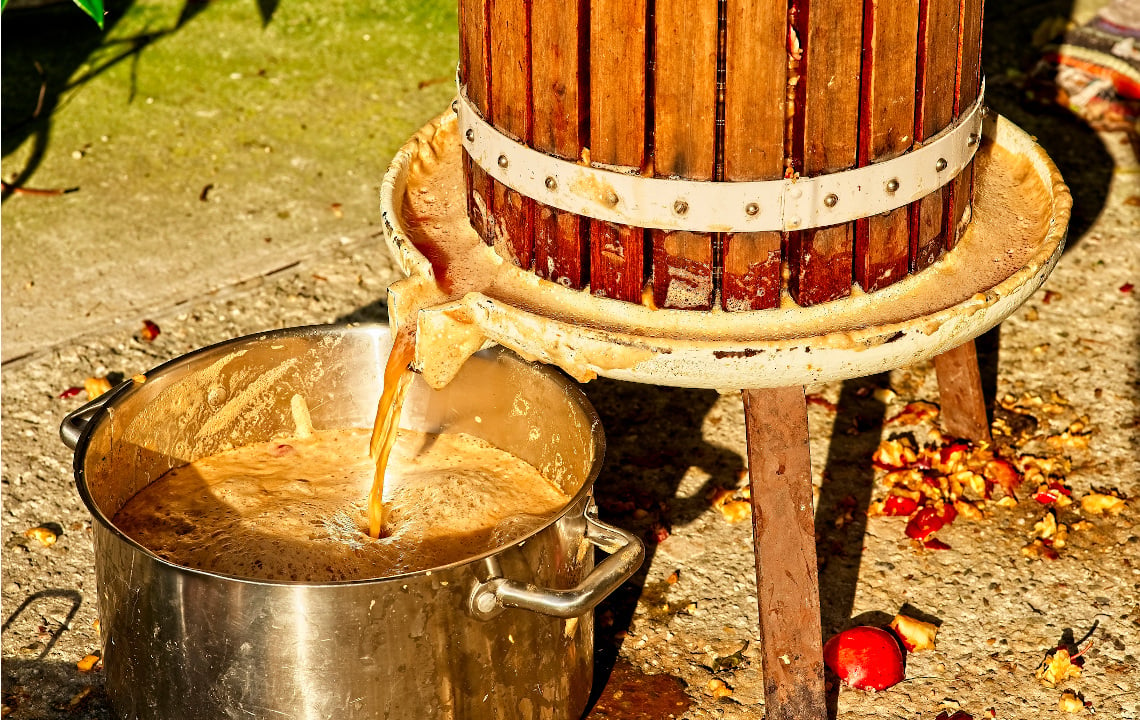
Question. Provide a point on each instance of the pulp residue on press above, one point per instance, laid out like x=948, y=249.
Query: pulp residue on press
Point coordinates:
x=1015, y=204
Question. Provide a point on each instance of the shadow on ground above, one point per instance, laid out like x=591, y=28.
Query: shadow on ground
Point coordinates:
x=45, y=58
x=637, y=488
x=1008, y=56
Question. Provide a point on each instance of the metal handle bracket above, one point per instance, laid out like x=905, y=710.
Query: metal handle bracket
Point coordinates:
x=76, y=421
x=490, y=597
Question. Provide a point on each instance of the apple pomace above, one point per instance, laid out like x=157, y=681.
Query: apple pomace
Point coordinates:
x=1057, y=667
x=916, y=635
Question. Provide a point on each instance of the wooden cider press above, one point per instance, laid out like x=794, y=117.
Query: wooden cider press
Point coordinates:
x=736, y=194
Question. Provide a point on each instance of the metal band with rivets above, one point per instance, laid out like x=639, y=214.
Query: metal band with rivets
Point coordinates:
x=623, y=196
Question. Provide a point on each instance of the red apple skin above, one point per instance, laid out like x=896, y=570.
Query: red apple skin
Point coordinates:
x=866, y=658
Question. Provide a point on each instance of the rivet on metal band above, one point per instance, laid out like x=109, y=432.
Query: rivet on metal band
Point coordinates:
x=624, y=196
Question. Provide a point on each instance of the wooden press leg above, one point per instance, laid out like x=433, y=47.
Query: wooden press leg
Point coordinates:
x=783, y=529
x=960, y=393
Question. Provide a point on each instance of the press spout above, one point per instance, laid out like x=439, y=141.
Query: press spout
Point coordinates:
x=446, y=333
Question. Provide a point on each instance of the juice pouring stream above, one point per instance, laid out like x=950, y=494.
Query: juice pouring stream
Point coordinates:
x=397, y=379
x=456, y=271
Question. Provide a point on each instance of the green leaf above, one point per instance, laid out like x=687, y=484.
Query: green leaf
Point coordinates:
x=94, y=8
x=3, y=4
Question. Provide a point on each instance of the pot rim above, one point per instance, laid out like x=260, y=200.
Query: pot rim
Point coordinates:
x=128, y=387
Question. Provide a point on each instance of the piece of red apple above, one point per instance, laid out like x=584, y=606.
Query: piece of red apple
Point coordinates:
x=899, y=505
x=866, y=658
x=928, y=520
x=1004, y=474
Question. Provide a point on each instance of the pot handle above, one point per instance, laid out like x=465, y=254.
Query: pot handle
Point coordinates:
x=490, y=597
x=72, y=427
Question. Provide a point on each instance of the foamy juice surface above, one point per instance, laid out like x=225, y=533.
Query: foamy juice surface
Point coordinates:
x=296, y=509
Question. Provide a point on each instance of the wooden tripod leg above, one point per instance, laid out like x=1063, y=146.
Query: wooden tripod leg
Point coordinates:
x=960, y=393
x=783, y=530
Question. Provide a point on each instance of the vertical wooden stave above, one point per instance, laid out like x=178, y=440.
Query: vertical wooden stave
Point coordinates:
x=475, y=74
x=826, y=140
x=558, y=57
x=969, y=85
x=935, y=93
x=618, y=83
x=513, y=213
x=754, y=121
x=886, y=130
x=684, y=111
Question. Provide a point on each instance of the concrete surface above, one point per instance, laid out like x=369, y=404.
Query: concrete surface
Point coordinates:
x=82, y=271
x=205, y=153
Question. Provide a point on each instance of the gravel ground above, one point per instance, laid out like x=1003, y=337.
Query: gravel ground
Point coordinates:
x=689, y=618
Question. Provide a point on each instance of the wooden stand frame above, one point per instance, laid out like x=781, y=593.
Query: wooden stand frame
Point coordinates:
x=783, y=535
x=783, y=528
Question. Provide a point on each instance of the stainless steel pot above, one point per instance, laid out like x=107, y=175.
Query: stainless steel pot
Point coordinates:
x=508, y=634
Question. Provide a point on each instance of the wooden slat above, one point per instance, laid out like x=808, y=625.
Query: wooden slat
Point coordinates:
x=617, y=136
x=754, y=109
x=783, y=532
x=969, y=82
x=684, y=111
x=960, y=393
x=557, y=66
x=475, y=71
x=937, y=69
x=510, y=112
x=826, y=140
x=882, y=242
x=970, y=61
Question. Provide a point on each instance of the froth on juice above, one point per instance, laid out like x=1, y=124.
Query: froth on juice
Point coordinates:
x=294, y=509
